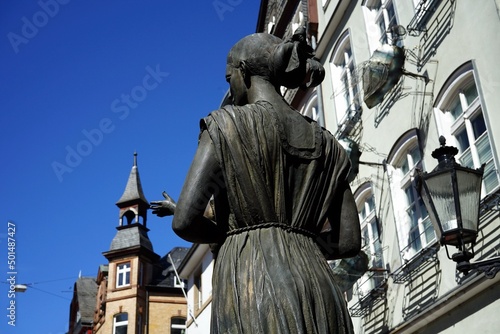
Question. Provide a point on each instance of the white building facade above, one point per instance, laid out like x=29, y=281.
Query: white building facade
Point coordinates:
x=196, y=270
x=448, y=85
x=451, y=90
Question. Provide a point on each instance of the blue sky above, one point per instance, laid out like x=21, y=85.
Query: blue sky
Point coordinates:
x=84, y=84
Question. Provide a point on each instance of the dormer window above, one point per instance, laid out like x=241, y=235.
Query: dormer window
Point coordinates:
x=123, y=275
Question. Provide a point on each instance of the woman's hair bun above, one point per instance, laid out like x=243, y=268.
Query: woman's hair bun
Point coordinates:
x=292, y=63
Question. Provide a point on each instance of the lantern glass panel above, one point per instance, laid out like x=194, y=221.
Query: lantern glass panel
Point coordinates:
x=441, y=193
x=432, y=215
x=469, y=191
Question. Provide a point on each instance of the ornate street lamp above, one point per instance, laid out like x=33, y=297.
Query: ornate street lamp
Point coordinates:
x=451, y=194
x=20, y=287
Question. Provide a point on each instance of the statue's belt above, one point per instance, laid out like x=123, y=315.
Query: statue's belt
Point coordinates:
x=285, y=227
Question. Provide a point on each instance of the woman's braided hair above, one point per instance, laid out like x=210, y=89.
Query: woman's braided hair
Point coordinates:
x=288, y=63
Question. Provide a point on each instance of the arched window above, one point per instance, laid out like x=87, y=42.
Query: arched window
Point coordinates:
x=370, y=235
x=311, y=109
x=414, y=228
x=120, y=323
x=460, y=118
x=380, y=16
x=346, y=92
x=178, y=325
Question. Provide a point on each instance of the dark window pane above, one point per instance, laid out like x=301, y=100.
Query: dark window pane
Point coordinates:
x=121, y=330
x=470, y=93
x=366, y=238
x=415, y=156
x=456, y=108
x=414, y=239
x=463, y=140
x=374, y=230
x=478, y=125
x=178, y=321
x=177, y=331
x=121, y=317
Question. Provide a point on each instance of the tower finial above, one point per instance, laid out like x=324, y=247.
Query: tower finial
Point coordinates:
x=133, y=204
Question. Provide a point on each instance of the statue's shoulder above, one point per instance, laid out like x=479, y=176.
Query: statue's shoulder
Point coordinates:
x=235, y=112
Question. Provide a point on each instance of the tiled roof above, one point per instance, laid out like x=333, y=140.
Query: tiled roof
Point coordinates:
x=86, y=291
x=165, y=274
x=131, y=236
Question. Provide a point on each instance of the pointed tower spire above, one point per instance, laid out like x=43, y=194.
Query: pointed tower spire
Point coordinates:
x=133, y=204
x=130, y=255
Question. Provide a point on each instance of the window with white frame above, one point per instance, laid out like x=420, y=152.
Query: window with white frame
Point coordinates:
x=371, y=244
x=311, y=109
x=380, y=17
x=123, y=274
x=178, y=325
x=460, y=117
x=345, y=85
x=120, y=323
x=414, y=228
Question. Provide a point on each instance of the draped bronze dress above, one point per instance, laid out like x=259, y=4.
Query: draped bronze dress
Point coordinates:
x=280, y=171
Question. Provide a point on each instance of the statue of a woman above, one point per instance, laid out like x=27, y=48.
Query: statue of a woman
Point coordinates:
x=276, y=179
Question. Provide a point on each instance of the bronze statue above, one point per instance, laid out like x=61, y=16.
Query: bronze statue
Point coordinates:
x=281, y=200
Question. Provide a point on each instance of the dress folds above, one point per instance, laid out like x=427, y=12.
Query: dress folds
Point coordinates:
x=280, y=171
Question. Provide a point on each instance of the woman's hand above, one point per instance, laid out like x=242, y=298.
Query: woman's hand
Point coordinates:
x=163, y=208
